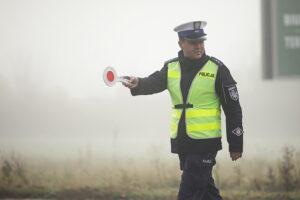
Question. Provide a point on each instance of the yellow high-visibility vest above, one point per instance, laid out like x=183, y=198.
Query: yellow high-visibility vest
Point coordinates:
x=202, y=108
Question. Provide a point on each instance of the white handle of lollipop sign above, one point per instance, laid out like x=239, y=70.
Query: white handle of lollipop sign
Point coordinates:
x=110, y=77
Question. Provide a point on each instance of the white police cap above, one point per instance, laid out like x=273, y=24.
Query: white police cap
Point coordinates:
x=192, y=31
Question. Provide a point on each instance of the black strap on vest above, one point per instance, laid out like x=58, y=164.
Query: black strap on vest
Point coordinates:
x=182, y=106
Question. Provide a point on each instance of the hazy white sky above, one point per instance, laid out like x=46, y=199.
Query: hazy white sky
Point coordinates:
x=68, y=43
x=52, y=55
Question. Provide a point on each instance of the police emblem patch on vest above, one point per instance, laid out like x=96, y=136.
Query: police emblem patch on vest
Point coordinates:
x=234, y=95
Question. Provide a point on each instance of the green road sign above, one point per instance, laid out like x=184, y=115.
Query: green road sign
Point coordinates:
x=281, y=38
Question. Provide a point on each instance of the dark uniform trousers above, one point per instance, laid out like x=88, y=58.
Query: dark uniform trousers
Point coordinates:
x=197, y=182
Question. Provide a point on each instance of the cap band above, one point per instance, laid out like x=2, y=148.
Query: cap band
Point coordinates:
x=191, y=32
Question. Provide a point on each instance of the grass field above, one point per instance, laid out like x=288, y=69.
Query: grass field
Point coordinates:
x=140, y=179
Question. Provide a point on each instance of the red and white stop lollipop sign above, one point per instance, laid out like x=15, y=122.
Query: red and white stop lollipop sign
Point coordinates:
x=110, y=77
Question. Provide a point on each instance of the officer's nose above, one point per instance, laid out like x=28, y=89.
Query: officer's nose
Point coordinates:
x=198, y=44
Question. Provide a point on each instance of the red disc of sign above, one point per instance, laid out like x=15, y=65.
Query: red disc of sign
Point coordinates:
x=109, y=76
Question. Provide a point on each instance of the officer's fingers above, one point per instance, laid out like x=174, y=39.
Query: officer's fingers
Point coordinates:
x=235, y=158
x=235, y=155
x=240, y=155
x=126, y=84
x=232, y=157
x=129, y=85
x=133, y=81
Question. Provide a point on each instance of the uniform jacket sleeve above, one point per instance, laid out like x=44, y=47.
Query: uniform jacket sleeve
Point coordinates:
x=155, y=83
x=227, y=91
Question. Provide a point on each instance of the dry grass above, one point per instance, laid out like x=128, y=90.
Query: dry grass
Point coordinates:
x=127, y=178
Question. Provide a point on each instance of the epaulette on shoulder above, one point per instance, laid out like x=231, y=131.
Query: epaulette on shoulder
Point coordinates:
x=217, y=61
x=172, y=60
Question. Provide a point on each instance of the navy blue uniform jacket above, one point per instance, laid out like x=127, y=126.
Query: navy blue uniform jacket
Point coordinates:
x=226, y=90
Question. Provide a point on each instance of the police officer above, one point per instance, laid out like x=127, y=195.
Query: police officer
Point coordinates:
x=198, y=85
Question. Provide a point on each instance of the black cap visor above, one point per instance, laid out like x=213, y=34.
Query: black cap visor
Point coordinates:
x=194, y=38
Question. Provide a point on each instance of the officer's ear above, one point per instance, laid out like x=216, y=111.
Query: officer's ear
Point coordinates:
x=180, y=43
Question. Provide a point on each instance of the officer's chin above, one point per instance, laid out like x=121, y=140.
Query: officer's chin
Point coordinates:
x=197, y=55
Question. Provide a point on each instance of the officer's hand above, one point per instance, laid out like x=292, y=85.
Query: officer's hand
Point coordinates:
x=235, y=155
x=132, y=83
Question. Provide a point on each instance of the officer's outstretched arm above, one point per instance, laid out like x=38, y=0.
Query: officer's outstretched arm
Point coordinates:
x=155, y=83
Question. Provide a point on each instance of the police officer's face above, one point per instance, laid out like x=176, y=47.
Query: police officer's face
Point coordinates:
x=191, y=49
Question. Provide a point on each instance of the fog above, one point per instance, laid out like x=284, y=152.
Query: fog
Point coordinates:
x=53, y=101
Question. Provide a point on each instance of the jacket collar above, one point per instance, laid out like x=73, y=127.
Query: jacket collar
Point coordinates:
x=187, y=62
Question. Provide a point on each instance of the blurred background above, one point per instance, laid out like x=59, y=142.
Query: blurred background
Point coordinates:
x=54, y=103
x=53, y=99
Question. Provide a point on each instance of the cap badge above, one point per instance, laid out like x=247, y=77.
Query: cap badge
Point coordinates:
x=197, y=25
